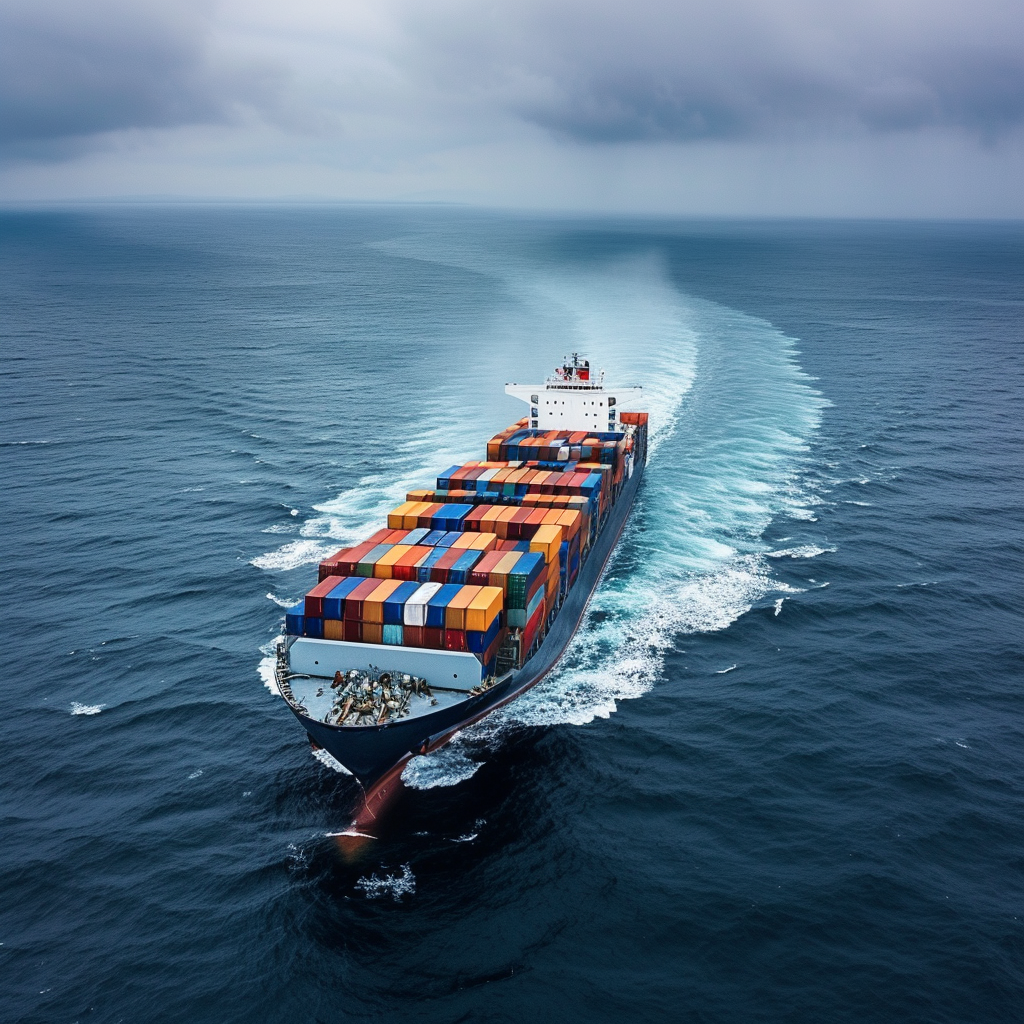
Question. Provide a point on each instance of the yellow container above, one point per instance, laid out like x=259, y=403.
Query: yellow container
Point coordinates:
x=484, y=609
x=455, y=613
x=409, y=512
x=334, y=629
x=397, y=515
x=571, y=520
x=373, y=606
x=489, y=520
x=373, y=633
x=384, y=567
x=547, y=540
x=498, y=576
x=483, y=541
x=506, y=516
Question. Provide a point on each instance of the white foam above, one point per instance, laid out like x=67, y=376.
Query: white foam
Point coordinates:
x=395, y=886
x=328, y=760
x=86, y=709
x=267, y=667
x=281, y=602
x=724, y=671
x=294, y=554
x=445, y=767
x=802, y=551
x=778, y=606
x=196, y=773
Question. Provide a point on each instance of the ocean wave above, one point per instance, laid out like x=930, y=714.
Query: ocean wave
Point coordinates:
x=267, y=667
x=395, y=886
x=86, y=709
x=328, y=760
x=801, y=551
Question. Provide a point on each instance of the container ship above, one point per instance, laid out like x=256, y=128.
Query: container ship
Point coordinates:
x=471, y=592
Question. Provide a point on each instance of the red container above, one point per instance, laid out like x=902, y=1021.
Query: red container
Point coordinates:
x=439, y=570
x=349, y=560
x=412, y=636
x=487, y=562
x=353, y=631
x=491, y=651
x=454, y=640
x=314, y=604
x=433, y=638
x=354, y=601
x=406, y=568
x=516, y=523
x=329, y=566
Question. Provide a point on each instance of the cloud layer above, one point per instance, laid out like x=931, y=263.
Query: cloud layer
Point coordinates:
x=394, y=82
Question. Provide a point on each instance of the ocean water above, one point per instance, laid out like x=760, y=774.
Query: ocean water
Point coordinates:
x=779, y=775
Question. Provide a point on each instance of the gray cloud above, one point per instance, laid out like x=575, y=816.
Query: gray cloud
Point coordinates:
x=413, y=76
x=69, y=73
x=602, y=72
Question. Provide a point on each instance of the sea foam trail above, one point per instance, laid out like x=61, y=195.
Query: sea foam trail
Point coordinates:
x=732, y=415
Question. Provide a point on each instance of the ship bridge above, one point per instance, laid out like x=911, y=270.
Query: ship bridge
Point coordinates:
x=573, y=398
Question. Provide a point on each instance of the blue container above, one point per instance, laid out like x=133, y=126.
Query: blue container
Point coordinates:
x=458, y=572
x=447, y=540
x=438, y=604
x=479, y=642
x=450, y=517
x=313, y=628
x=416, y=536
x=293, y=619
x=394, y=606
x=444, y=481
x=530, y=565
x=431, y=538
x=392, y=634
x=334, y=602
x=428, y=563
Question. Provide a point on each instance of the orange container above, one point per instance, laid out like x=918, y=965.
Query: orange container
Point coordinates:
x=373, y=606
x=489, y=520
x=384, y=567
x=498, y=576
x=505, y=516
x=396, y=516
x=547, y=540
x=571, y=521
x=373, y=633
x=483, y=609
x=334, y=629
x=455, y=613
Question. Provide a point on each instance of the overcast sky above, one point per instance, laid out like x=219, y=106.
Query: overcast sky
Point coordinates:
x=898, y=108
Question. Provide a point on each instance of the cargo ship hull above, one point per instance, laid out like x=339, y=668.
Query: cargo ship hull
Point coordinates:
x=376, y=754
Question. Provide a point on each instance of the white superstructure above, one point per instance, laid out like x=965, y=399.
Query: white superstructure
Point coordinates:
x=570, y=399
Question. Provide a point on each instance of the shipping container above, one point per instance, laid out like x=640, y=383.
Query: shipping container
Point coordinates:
x=483, y=609
x=416, y=605
x=373, y=606
x=333, y=605
x=314, y=604
x=393, y=634
x=394, y=603
x=455, y=613
x=438, y=604
x=354, y=601
x=293, y=619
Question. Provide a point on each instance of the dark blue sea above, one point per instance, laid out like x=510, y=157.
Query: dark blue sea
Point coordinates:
x=780, y=774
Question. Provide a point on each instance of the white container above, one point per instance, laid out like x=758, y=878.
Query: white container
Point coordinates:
x=415, y=611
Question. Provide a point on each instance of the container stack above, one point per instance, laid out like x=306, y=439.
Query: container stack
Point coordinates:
x=438, y=616
x=492, y=550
